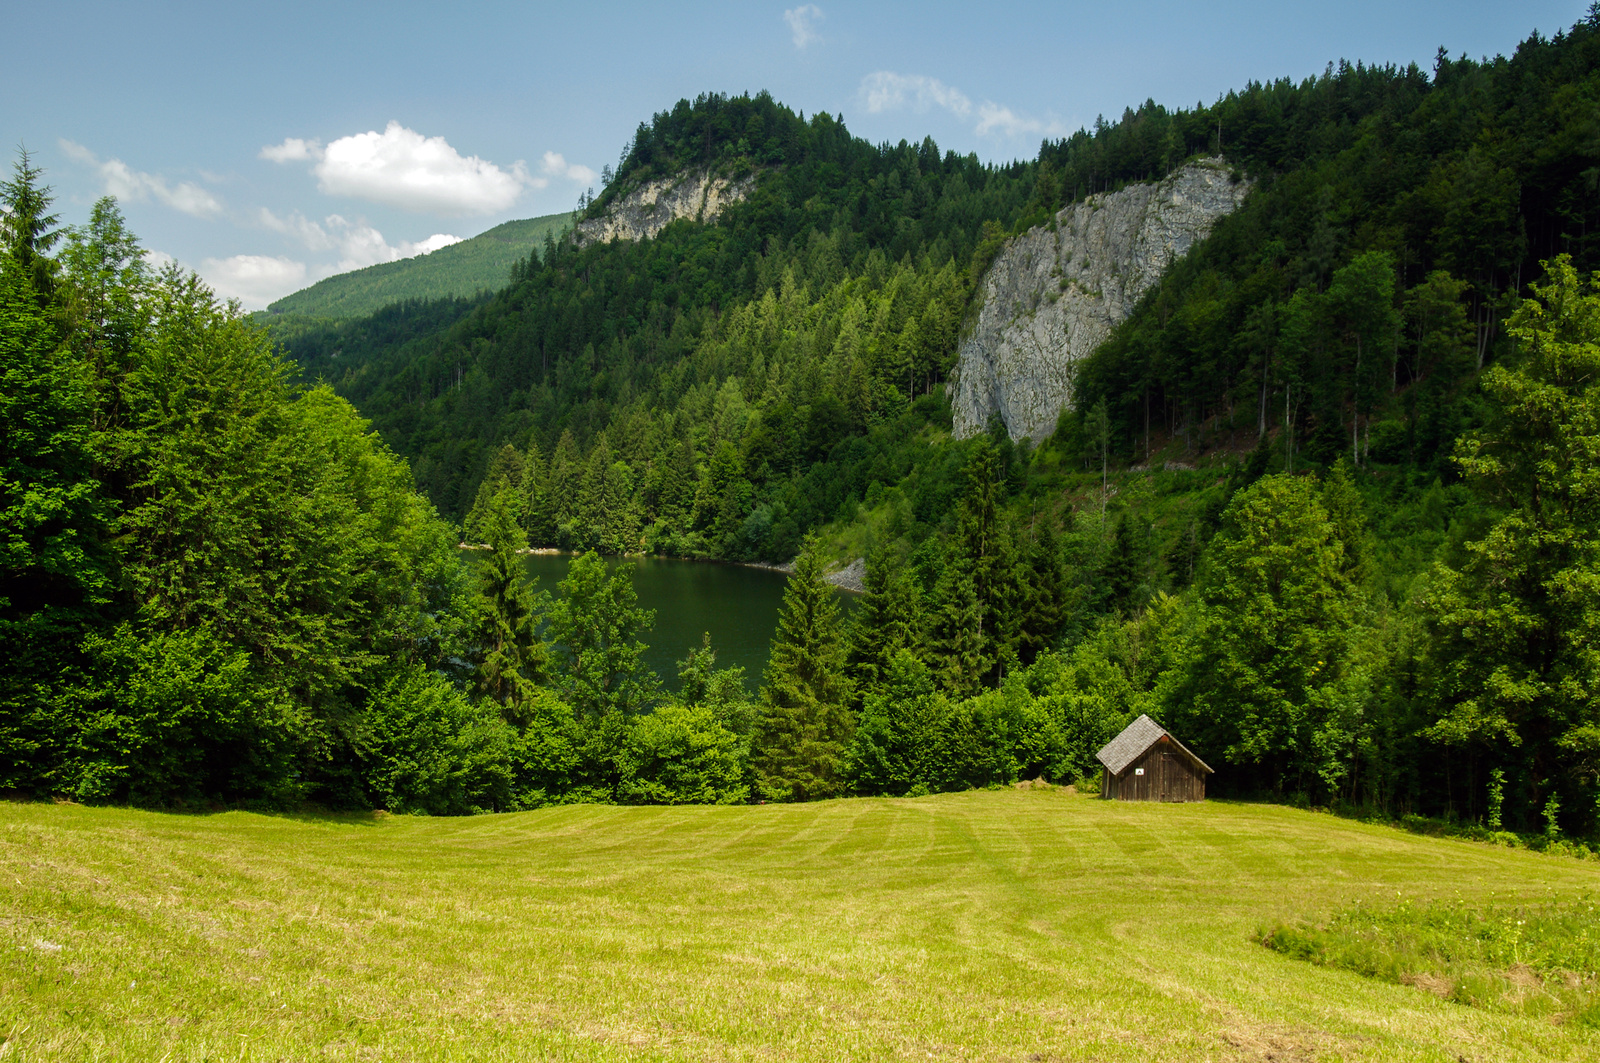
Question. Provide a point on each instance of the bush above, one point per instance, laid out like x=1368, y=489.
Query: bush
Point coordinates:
x=683, y=755
x=432, y=750
x=175, y=719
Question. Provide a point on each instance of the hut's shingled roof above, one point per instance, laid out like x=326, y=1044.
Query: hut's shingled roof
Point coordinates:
x=1132, y=743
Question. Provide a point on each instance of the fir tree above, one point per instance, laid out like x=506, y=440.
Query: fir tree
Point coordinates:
x=805, y=724
x=513, y=660
x=886, y=619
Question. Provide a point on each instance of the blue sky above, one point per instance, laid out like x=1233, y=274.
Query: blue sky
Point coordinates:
x=269, y=145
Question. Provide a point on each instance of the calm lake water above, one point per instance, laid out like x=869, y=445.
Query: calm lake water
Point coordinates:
x=737, y=605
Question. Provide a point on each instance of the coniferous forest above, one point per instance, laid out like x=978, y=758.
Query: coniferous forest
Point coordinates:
x=1327, y=505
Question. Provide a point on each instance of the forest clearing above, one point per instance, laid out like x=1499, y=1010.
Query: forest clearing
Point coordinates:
x=1017, y=924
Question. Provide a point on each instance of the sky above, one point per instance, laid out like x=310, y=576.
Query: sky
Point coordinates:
x=267, y=146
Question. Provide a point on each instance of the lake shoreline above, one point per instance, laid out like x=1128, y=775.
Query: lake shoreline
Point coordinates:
x=851, y=578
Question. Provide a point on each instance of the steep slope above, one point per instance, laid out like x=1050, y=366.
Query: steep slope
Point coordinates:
x=643, y=211
x=482, y=263
x=1056, y=291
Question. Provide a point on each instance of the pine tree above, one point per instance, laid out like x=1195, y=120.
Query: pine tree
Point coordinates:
x=539, y=506
x=505, y=473
x=513, y=660
x=887, y=618
x=1042, y=591
x=957, y=645
x=1514, y=663
x=805, y=724
x=54, y=569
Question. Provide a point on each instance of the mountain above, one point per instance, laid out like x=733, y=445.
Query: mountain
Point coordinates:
x=1056, y=292
x=481, y=264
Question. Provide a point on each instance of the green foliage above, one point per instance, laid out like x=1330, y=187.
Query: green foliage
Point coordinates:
x=805, y=721
x=1511, y=658
x=513, y=659
x=430, y=749
x=595, y=628
x=684, y=754
x=55, y=575
x=172, y=719
x=470, y=268
x=1260, y=678
x=1536, y=959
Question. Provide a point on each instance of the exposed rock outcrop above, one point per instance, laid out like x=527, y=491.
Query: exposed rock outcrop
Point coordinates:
x=650, y=207
x=1052, y=296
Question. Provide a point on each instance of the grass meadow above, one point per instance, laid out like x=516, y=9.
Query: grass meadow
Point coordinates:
x=1009, y=925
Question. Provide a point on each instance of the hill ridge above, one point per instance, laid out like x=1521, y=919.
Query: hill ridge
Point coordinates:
x=481, y=263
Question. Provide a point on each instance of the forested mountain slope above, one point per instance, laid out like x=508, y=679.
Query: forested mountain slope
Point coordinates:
x=1323, y=505
x=480, y=264
x=719, y=389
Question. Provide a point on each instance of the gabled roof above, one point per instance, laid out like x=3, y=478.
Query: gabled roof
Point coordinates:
x=1134, y=741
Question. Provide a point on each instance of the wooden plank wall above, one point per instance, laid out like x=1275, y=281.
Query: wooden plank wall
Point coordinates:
x=1168, y=776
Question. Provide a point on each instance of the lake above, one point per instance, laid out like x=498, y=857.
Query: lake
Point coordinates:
x=736, y=604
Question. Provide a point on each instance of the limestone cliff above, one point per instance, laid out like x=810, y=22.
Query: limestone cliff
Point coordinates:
x=1052, y=295
x=650, y=207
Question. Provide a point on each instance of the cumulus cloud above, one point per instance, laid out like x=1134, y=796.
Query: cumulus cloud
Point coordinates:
x=400, y=167
x=885, y=90
x=802, y=22
x=254, y=280
x=130, y=185
x=356, y=243
x=557, y=166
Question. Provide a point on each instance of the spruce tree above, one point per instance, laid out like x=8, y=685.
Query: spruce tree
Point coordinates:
x=887, y=618
x=1043, y=592
x=513, y=660
x=957, y=645
x=805, y=722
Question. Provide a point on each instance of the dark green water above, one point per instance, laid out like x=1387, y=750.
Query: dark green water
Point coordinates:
x=737, y=605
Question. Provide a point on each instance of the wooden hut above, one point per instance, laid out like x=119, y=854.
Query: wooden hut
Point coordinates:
x=1145, y=763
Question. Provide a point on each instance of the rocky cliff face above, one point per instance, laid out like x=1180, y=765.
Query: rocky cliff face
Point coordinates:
x=650, y=207
x=1051, y=297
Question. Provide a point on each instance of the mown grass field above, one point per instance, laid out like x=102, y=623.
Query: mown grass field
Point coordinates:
x=1016, y=925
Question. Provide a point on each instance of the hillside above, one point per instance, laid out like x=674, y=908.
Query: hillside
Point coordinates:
x=1002, y=925
x=1279, y=509
x=481, y=264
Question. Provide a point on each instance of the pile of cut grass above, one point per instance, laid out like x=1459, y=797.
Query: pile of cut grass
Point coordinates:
x=1539, y=959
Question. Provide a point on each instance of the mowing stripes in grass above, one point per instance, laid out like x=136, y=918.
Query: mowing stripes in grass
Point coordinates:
x=982, y=926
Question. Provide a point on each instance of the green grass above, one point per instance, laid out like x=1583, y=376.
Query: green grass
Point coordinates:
x=482, y=263
x=1015, y=925
x=1538, y=958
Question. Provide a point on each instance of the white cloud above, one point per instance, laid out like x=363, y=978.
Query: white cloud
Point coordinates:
x=802, y=22
x=428, y=246
x=402, y=168
x=130, y=185
x=356, y=243
x=293, y=149
x=254, y=280
x=992, y=117
x=557, y=166
x=885, y=90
